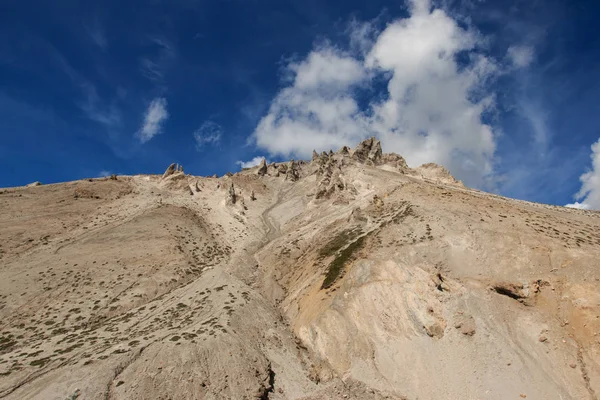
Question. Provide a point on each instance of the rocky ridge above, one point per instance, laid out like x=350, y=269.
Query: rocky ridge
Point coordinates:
x=348, y=276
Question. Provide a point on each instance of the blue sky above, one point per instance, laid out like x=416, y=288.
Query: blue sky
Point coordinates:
x=506, y=94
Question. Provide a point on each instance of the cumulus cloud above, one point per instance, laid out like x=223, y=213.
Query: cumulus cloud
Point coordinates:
x=430, y=110
x=208, y=133
x=154, y=119
x=252, y=163
x=317, y=110
x=589, y=194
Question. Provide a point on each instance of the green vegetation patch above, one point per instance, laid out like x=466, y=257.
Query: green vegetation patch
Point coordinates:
x=339, y=241
x=41, y=362
x=6, y=343
x=336, y=267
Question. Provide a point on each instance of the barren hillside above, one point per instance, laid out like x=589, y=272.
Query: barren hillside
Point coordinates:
x=349, y=276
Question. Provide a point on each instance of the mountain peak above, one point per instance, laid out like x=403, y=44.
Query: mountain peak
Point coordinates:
x=348, y=276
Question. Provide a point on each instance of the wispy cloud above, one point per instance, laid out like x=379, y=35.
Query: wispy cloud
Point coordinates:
x=154, y=66
x=252, y=163
x=155, y=116
x=209, y=133
x=589, y=194
x=96, y=110
x=91, y=103
x=151, y=70
x=96, y=33
x=520, y=56
x=104, y=173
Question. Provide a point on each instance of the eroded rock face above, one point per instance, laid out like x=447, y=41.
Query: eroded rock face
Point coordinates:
x=344, y=150
x=391, y=278
x=291, y=171
x=396, y=161
x=368, y=151
x=262, y=168
x=437, y=173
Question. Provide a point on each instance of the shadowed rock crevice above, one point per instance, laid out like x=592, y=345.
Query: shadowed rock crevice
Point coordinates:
x=270, y=388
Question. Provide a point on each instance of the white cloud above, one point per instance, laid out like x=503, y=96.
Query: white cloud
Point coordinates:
x=104, y=174
x=252, y=163
x=326, y=69
x=430, y=111
x=578, y=205
x=154, y=119
x=208, y=133
x=520, y=56
x=589, y=194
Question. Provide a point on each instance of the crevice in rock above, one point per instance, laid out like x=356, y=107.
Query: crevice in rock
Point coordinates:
x=440, y=286
x=265, y=395
x=509, y=289
x=119, y=370
x=584, y=372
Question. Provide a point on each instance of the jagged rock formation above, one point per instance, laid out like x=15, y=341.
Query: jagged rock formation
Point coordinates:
x=368, y=151
x=437, y=173
x=351, y=276
x=291, y=171
x=170, y=170
x=262, y=168
x=396, y=161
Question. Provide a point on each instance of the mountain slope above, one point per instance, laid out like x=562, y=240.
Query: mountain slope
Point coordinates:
x=350, y=276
